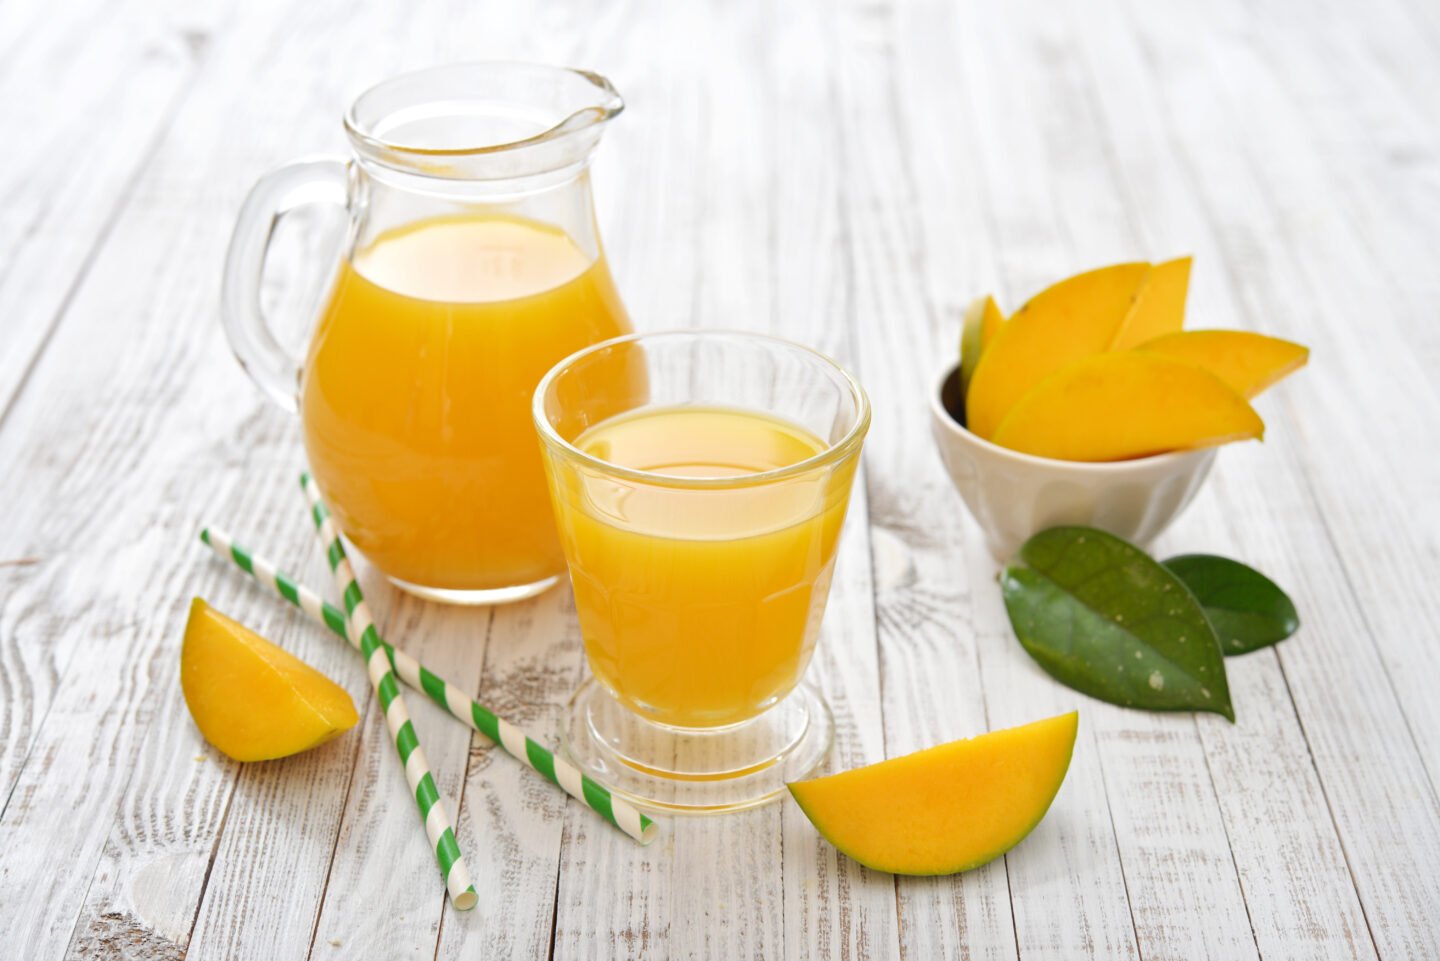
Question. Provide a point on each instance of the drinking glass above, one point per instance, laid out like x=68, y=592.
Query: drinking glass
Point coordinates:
x=472, y=264
x=700, y=522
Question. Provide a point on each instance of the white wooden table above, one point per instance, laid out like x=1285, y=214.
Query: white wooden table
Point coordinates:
x=849, y=174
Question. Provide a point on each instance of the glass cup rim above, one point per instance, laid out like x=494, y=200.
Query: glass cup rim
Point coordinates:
x=833, y=453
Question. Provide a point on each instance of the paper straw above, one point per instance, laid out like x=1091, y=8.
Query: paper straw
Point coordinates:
x=450, y=698
x=417, y=769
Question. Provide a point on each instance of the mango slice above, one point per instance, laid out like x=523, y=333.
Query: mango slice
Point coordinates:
x=982, y=322
x=948, y=808
x=1160, y=307
x=251, y=699
x=1247, y=362
x=991, y=320
x=1127, y=404
x=1068, y=321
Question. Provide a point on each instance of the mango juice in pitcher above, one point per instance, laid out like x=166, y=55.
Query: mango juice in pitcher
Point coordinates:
x=472, y=264
x=416, y=394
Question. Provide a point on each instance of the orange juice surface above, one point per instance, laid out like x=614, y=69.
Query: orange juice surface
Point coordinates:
x=416, y=394
x=700, y=607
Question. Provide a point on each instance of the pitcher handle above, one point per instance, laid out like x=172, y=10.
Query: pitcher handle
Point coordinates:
x=318, y=180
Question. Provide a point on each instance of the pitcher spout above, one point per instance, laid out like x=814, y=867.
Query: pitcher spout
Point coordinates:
x=483, y=121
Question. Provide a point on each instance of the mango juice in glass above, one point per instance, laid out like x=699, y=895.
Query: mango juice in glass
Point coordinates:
x=472, y=263
x=700, y=527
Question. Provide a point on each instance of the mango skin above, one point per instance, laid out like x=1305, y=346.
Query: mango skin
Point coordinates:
x=948, y=808
x=1248, y=363
x=252, y=700
x=1066, y=322
x=1125, y=405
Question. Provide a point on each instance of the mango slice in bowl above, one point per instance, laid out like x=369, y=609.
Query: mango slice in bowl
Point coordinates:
x=1125, y=405
x=983, y=320
x=1159, y=306
x=1248, y=363
x=1033, y=384
x=1064, y=323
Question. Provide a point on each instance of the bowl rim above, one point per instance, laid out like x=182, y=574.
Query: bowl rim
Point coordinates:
x=942, y=415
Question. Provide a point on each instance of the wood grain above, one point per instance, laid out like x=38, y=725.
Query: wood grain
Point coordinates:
x=1385, y=778
x=52, y=220
x=849, y=176
x=727, y=278
x=917, y=601
x=57, y=207
x=1282, y=838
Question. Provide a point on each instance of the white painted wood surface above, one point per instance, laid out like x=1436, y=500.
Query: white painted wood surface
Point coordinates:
x=849, y=174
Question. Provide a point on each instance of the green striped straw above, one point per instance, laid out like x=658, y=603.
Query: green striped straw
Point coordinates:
x=446, y=695
x=392, y=702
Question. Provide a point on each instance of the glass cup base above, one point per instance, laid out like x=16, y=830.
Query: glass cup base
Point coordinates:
x=697, y=771
x=499, y=595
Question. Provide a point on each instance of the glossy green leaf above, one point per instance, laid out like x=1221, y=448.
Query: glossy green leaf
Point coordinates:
x=1247, y=609
x=1102, y=616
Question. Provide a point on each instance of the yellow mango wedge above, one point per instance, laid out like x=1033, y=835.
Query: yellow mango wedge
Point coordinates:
x=1064, y=323
x=991, y=320
x=1127, y=404
x=948, y=808
x=251, y=699
x=983, y=320
x=1160, y=307
x=1247, y=362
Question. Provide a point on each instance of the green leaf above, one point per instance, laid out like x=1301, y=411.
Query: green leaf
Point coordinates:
x=1101, y=616
x=1247, y=609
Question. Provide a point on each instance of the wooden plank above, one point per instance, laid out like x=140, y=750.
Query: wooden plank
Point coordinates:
x=752, y=266
x=157, y=856
x=1299, y=897
x=1371, y=146
x=915, y=602
x=614, y=899
x=932, y=176
x=1404, y=21
x=120, y=606
x=1359, y=736
x=282, y=818
x=1280, y=927
x=520, y=659
x=116, y=556
x=136, y=424
x=376, y=827
x=59, y=194
x=1397, y=284
x=511, y=822
x=52, y=218
x=1174, y=847
x=708, y=886
x=923, y=235
x=833, y=906
x=1391, y=55
x=534, y=661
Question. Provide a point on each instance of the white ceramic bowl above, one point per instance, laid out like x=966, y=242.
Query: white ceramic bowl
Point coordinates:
x=1015, y=495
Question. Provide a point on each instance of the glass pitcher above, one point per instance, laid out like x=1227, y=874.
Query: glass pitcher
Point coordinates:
x=472, y=265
